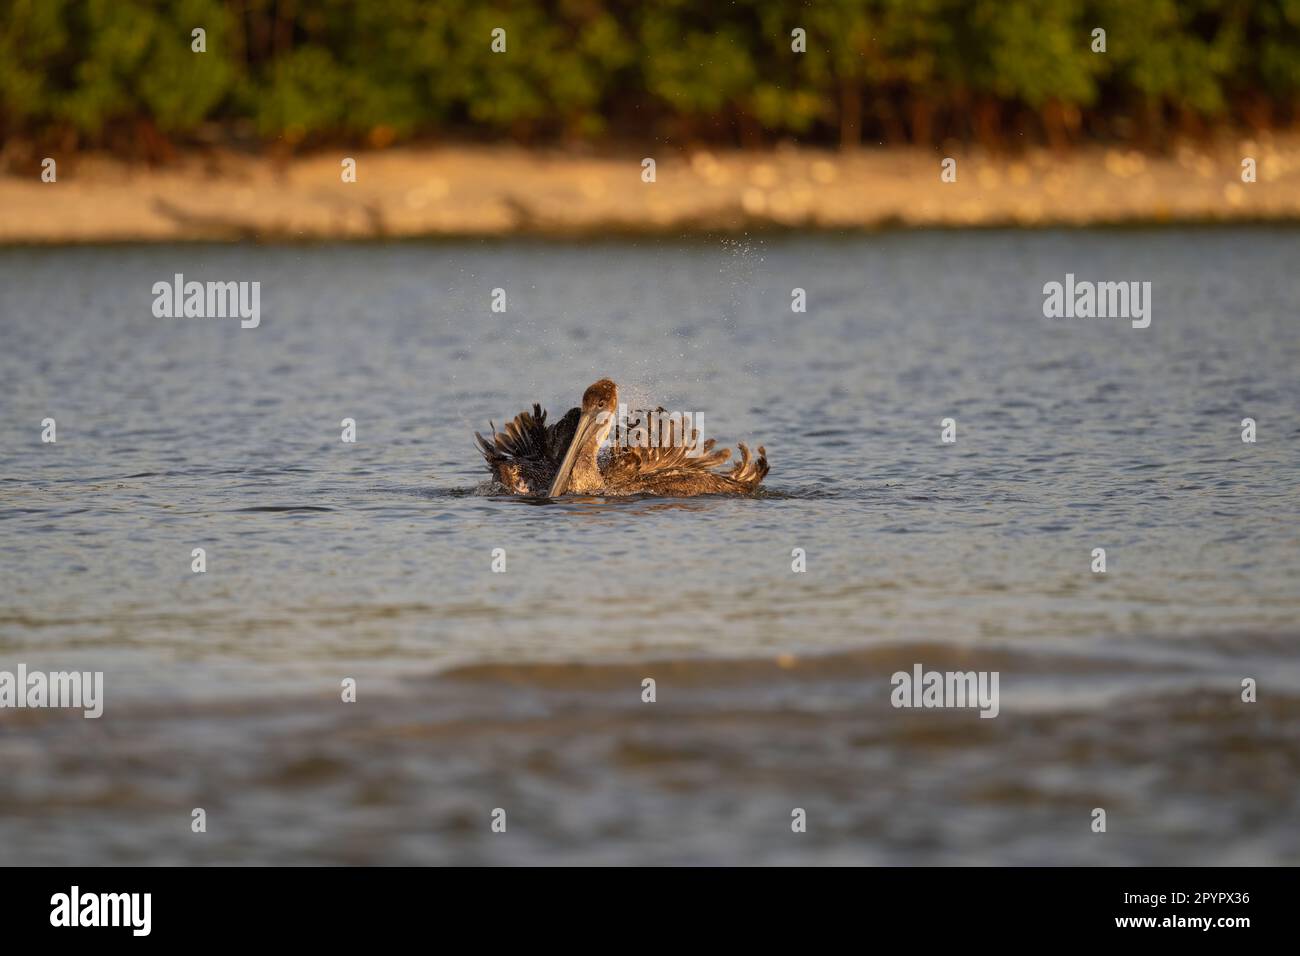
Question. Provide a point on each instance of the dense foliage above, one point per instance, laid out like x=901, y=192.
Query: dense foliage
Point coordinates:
x=116, y=72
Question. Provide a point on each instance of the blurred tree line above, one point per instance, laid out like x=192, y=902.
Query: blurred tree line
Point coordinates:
x=121, y=74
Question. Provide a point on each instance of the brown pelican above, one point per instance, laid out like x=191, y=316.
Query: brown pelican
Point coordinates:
x=529, y=457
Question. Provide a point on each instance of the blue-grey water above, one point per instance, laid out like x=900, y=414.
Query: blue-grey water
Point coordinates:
x=522, y=690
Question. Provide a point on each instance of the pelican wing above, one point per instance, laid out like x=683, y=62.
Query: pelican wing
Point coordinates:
x=526, y=453
x=682, y=468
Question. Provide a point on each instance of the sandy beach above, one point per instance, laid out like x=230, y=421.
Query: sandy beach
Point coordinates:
x=468, y=191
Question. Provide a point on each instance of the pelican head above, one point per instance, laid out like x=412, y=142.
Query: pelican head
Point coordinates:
x=599, y=404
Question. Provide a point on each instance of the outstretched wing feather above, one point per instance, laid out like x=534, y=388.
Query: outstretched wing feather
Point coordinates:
x=525, y=454
x=688, y=464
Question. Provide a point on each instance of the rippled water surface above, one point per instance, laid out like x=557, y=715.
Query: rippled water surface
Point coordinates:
x=522, y=690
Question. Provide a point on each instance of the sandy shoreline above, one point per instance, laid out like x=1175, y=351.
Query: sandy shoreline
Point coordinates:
x=462, y=191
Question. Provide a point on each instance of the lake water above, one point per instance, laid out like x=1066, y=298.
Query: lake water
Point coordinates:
x=522, y=690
